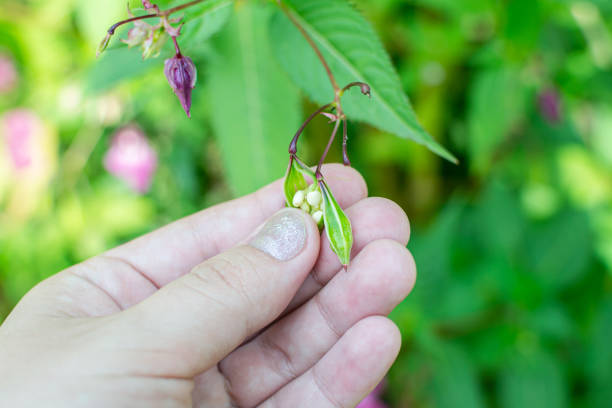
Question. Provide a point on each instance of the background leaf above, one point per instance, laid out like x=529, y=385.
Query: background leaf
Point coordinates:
x=354, y=53
x=255, y=109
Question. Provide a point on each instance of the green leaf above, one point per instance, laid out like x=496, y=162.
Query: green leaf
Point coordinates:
x=255, y=108
x=497, y=102
x=204, y=20
x=117, y=65
x=532, y=379
x=454, y=380
x=354, y=53
x=337, y=226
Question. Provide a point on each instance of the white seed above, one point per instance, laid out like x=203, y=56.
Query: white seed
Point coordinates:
x=298, y=199
x=305, y=207
x=317, y=216
x=314, y=198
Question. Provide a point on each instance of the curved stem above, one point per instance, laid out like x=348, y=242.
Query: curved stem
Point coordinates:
x=329, y=144
x=176, y=47
x=294, y=141
x=112, y=29
x=313, y=45
x=181, y=7
x=158, y=13
x=345, y=156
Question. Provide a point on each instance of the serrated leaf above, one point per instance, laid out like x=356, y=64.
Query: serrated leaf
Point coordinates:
x=337, y=226
x=354, y=53
x=255, y=108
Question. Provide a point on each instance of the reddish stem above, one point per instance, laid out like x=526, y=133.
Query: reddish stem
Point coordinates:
x=294, y=141
x=326, y=151
x=345, y=156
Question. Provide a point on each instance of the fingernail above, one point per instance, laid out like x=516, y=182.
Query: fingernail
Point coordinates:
x=283, y=237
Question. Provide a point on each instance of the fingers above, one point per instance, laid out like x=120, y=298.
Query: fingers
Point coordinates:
x=348, y=372
x=170, y=252
x=199, y=318
x=379, y=278
x=372, y=219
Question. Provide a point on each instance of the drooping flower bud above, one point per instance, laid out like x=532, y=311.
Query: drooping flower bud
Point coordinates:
x=182, y=75
x=132, y=159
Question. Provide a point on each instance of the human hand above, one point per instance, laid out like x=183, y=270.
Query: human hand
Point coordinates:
x=205, y=313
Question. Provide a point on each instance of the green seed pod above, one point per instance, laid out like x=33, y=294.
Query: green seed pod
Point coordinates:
x=294, y=182
x=337, y=226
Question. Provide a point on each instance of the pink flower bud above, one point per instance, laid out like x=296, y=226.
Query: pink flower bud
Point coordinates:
x=8, y=74
x=21, y=129
x=182, y=75
x=131, y=158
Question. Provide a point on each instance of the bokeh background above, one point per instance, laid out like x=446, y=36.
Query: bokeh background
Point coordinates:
x=513, y=304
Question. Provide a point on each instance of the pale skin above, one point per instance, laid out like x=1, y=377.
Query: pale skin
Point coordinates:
x=190, y=315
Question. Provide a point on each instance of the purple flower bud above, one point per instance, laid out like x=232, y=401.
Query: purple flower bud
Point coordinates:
x=549, y=104
x=182, y=74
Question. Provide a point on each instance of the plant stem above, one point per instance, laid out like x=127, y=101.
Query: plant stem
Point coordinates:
x=181, y=7
x=158, y=13
x=111, y=30
x=294, y=141
x=326, y=151
x=314, y=46
x=345, y=157
x=176, y=47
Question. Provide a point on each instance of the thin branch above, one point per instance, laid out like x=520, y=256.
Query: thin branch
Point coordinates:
x=111, y=30
x=329, y=144
x=181, y=7
x=176, y=47
x=345, y=157
x=294, y=141
x=314, y=46
x=158, y=13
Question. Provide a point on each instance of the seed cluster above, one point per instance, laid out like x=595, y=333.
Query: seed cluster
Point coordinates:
x=310, y=200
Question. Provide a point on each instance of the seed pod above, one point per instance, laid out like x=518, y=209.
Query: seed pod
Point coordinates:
x=337, y=226
x=294, y=182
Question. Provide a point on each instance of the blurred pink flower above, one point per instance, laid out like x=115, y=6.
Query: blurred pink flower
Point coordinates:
x=549, y=103
x=8, y=74
x=131, y=158
x=21, y=128
x=372, y=400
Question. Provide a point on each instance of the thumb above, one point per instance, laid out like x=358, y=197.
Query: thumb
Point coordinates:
x=213, y=309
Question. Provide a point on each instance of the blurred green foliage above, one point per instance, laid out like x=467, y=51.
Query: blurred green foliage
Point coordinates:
x=513, y=303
